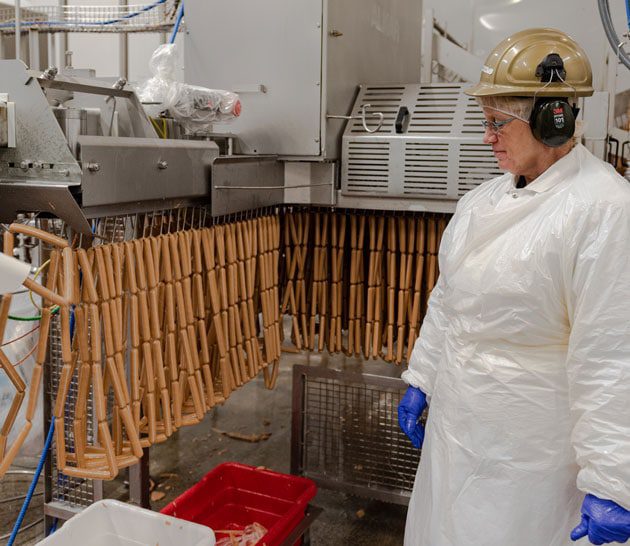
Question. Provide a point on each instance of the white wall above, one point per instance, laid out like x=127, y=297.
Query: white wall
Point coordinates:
x=482, y=24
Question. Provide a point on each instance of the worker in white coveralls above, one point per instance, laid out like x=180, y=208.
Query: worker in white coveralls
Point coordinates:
x=524, y=354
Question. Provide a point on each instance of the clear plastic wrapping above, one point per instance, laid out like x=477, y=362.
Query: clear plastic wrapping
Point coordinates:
x=194, y=107
x=197, y=107
x=163, y=66
x=249, y=536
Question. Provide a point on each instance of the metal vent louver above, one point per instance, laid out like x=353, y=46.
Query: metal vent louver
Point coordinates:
x=426, y=167
x=368, y=167
x=434, y=111
x=439, y=154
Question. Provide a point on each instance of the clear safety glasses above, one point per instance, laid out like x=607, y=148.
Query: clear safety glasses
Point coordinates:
x=495, y=126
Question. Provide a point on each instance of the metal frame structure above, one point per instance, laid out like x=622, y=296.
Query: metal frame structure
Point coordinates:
x=149, y=17
x=344, y=434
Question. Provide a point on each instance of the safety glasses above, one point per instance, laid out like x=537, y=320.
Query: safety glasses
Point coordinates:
x=495, y=126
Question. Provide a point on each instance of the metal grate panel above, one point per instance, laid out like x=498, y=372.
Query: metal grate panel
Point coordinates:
x=347, y=435
x=67, y=489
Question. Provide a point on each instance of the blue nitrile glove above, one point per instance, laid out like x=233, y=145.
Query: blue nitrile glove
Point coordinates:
x=409, y=411
x=603, y=521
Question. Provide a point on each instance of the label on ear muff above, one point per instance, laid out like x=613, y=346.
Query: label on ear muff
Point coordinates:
x=558, y=117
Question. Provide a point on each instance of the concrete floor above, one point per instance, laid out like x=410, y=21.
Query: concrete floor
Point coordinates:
x=191, y=452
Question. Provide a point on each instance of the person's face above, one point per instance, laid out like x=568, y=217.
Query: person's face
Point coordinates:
x=514, y=146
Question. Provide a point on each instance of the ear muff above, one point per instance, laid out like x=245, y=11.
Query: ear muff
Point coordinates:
x=553, y=121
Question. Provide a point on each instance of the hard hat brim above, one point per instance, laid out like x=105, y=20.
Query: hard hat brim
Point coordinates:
x=555, y=90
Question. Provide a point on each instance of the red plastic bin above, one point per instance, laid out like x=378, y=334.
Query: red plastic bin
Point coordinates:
x=234, y=495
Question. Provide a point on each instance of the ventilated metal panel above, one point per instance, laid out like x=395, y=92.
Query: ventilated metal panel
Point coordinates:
x=346, y=434
x=435, y=110
x=436, y=153
x=471, y=123
x=426, y=168
x=367, y=167
x=386, y=100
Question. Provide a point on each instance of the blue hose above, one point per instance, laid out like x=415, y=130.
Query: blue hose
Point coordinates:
x=31, y=489
x=53, y=527
x=628, y=12
x=180, y=15
x=72, y=319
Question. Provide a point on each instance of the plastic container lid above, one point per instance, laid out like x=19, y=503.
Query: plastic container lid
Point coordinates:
x=114, y=523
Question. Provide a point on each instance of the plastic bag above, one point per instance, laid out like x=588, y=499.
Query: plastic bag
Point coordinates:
x=163, y=66
x=249, y=536
x=193, y=106
x=197, y=107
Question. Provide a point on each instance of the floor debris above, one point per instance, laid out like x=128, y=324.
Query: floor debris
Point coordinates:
x=244, y=437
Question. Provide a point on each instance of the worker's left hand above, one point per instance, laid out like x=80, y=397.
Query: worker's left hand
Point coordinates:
x=603, y=521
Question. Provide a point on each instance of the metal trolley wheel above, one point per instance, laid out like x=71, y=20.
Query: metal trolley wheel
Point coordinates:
x=618, y=45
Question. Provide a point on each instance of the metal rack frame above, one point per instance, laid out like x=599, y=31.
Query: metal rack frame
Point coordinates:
x=149, y=17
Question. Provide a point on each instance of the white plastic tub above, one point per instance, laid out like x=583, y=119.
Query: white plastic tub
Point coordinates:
x=114, y=523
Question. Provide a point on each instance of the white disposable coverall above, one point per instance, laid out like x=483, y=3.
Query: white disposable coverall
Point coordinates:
x=525, y=355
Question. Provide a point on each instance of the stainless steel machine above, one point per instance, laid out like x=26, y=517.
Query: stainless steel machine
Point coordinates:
x=77, y=148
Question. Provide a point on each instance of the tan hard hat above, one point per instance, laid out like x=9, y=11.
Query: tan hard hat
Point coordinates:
x=510, y=70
